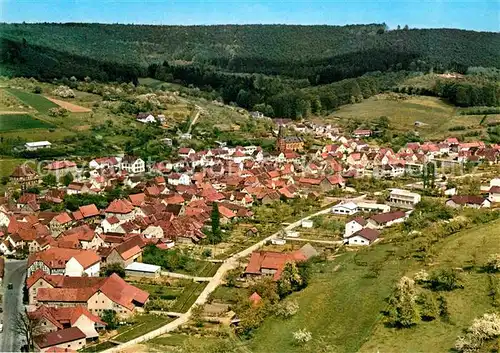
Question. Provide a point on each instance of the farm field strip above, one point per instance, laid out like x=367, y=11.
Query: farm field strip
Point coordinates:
x=9, y=122
x=40, y=103
x=73, y=108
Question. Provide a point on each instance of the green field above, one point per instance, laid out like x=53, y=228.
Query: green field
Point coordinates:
x=436, y=113
x=9, y=122
x=36, y=101
x=7, y=166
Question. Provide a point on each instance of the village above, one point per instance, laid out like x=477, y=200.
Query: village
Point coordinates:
x=118, y=247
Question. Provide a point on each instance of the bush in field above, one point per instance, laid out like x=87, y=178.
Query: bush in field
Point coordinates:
x=403, y=311
x=57, y=112
x=483, y=329
x=64, y=92
x=302, y=336
x=37, y=90
x=428, y=307
x=421, y=277
x=287, y=309
x=444, y=280
x=493, y=263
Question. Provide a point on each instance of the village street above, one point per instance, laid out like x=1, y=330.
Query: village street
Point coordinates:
x=15, y=270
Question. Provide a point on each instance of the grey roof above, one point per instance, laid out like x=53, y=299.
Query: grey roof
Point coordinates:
x=141, y=267
x=309, y=251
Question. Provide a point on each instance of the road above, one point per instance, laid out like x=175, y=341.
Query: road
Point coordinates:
x=230, y=263
x=15, y=271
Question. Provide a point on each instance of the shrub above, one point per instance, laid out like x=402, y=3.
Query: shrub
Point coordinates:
x=402, y=310
x=493, y=263
x=428, y=307
x=444, y=280
x=64, y=92
x=207, y=253
x=57, y=112
x=483, y=329
x=302, y=336
x=421, y=277
x=287, y=309
x=37, y=90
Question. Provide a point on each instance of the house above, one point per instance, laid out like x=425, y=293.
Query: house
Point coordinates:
x=388, y=170
x=494, y=194
x=133, y=165
x=348, y=208
x=145, y=118
x=361, y=133
x=33, y=146
x=25, y=176
x=121, y=209
x=103, y=163
x=85, y=263
x=403, y=198
x=269, y=263
x=471, y=201
x=387, y=219
x=354, y=225
x=69, y=338
x=53, y=261
x=60, y=223
x=61, y=168
x=127, y=252
x=185, y=152
x=111, y=293
x=53, y=319
x=365, y=236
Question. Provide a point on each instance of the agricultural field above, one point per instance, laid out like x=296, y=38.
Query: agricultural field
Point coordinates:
x=9, y=122
x=36, y=101
x=141, y=325
x=10, y=104
x=436, y=115
x=73, y=108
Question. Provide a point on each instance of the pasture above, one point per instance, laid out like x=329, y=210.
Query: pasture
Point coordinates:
x=436, y=115
x=36, y=101
x=10, y=122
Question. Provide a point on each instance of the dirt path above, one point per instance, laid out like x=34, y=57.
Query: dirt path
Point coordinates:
x=73, y=108
x=198, y=111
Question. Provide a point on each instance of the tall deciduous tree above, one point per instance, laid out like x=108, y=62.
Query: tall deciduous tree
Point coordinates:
x=216, y=235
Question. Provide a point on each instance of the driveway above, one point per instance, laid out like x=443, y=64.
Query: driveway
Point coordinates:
x=15, y=271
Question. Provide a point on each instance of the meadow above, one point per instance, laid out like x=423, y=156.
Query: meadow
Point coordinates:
x=437, y=115
x=9, y=122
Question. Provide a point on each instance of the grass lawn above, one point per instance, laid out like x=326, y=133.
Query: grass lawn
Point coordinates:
x=7, y=166
x=36, y=101
x=228, y=294
x=464, y=305
x=157, y=291
x=145, y=323
x=172, y=342
x=340, y=306
x=9, y=122
x=436, y=113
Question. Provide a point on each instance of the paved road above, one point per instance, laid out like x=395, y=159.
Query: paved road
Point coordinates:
x=15, y=271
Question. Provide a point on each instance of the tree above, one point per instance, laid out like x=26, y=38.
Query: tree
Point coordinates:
x=115, y=267
x=49, y=180
x=267, y=288
x=290, y=280
x=109, y=317
x=28, y=327
x=37, y=90
x=428, y=307
x=403, y=310
x=215, y=235
x=197, y=315
x=67, y=179
x=444, y=280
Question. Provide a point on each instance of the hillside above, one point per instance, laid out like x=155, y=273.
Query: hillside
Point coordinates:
x=324, y=53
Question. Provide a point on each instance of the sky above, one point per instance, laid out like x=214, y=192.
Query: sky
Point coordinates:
x=480, y=15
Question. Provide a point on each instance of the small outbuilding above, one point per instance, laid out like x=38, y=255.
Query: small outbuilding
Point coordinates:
x=139, y=269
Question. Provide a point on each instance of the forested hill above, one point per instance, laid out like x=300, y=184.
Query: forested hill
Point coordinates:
x=322, y=54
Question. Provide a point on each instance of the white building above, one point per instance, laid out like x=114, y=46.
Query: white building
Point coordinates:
x=348, y=208
x=33, y=146
x=354, y=226
x=133, y=165
x=80, y=268
x=364, y=237
x=404, y=198
x=307, y=223
x=373, y=207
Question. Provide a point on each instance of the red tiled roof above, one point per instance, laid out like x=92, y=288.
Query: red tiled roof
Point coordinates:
x=367, y=233
x=120, y=206
x=60, y=165
x=383, y=218
x=89, y=210
x=62, y=218
x=59, y=337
